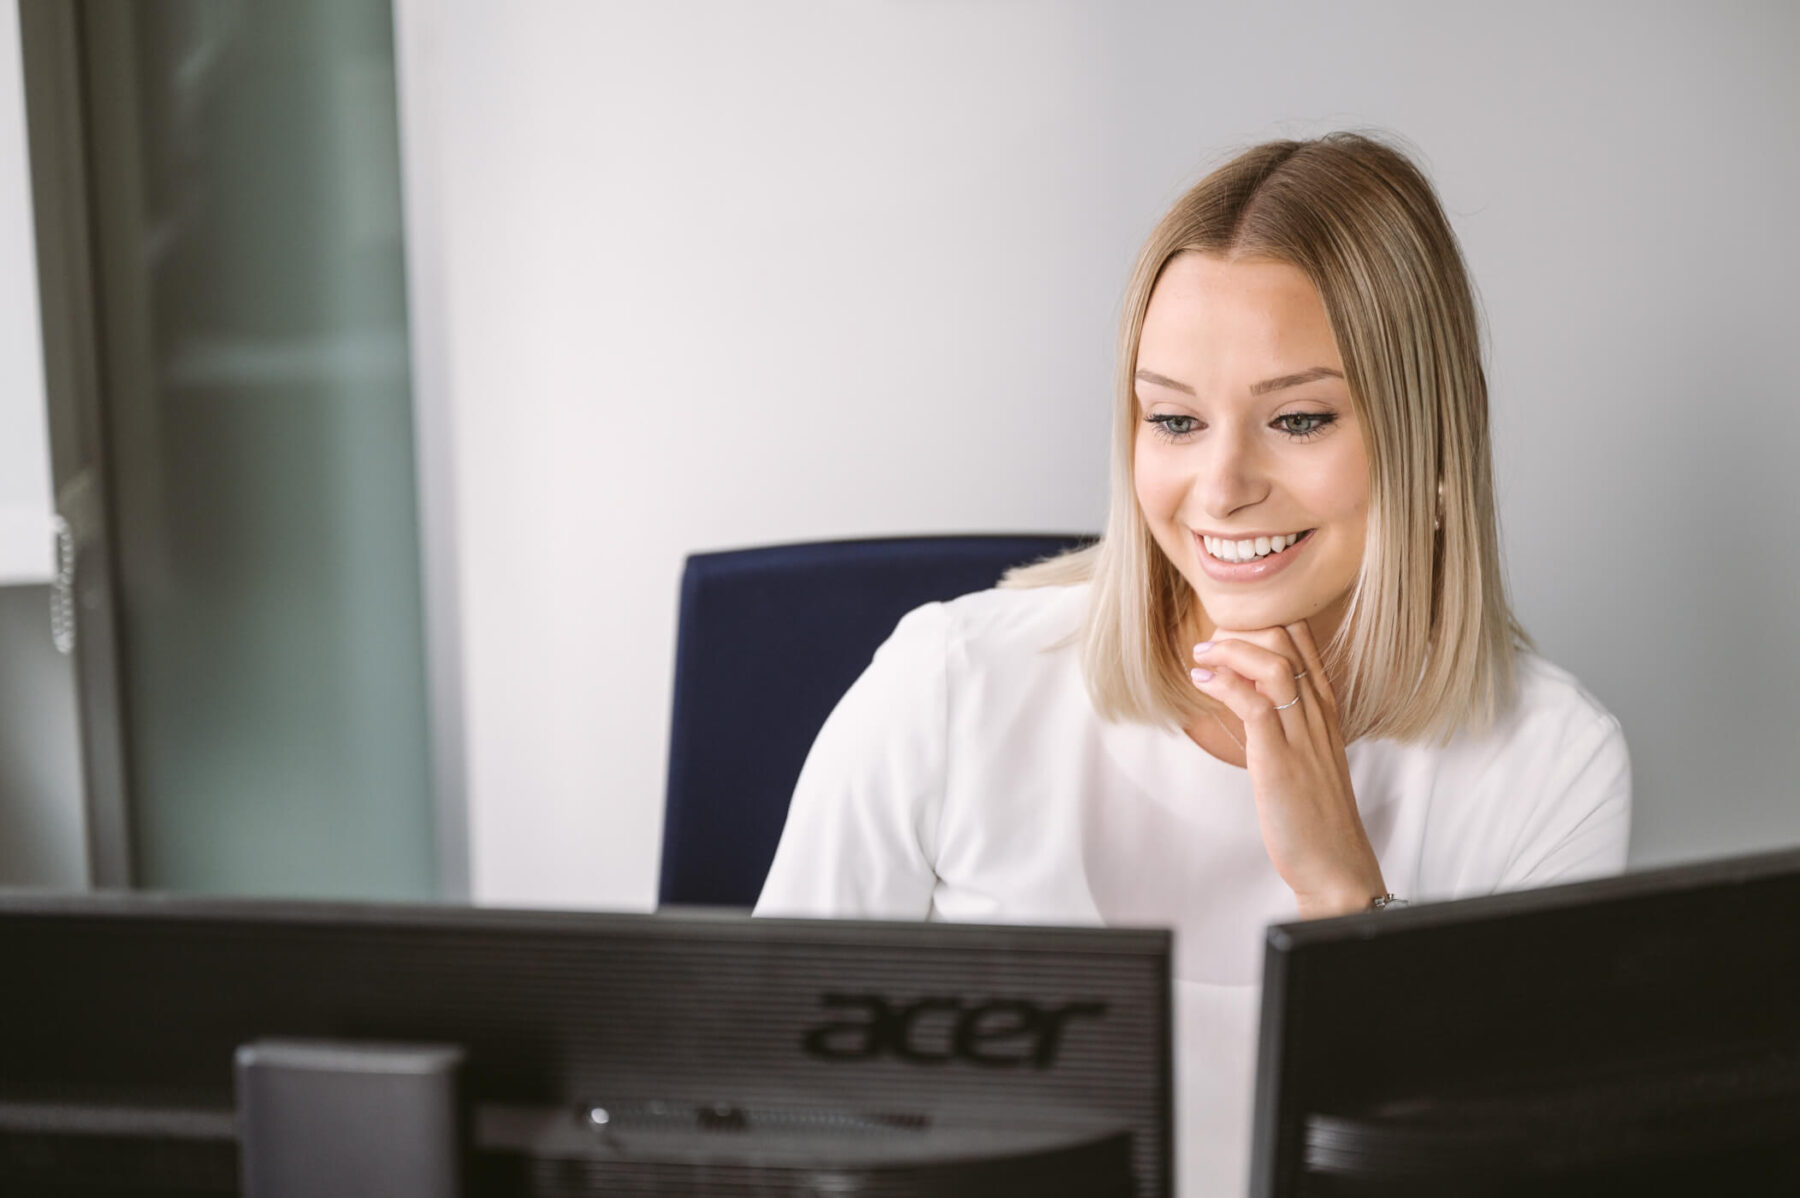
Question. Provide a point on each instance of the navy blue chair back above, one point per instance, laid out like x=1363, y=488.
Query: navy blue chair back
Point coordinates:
x=769, y=641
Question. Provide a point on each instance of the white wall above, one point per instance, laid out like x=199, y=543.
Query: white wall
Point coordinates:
x=42, y=833
x=25, y=554
x=714, y=274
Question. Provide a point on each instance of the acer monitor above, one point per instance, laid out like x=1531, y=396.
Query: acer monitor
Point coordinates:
x=174, y=1046
x=1634, y=1035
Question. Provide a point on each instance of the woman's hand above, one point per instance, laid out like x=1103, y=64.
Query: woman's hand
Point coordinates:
x=1298, y=771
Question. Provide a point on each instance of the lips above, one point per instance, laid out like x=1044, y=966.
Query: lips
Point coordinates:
x=1258, y=568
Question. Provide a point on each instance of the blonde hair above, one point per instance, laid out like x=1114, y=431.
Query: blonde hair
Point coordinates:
x=1427, y=645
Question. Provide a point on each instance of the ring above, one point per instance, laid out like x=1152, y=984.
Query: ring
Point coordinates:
x=1289, y=703
x=1300, y=675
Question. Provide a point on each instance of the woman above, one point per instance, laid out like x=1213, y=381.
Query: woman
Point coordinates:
x=1286, y=682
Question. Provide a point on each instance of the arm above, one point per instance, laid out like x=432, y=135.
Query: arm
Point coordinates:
x=861, y=831
x=1274, y=680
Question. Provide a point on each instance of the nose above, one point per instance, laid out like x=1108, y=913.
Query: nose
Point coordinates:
x=1230, y=475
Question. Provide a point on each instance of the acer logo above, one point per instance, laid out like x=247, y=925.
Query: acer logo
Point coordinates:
x=1002, y=1032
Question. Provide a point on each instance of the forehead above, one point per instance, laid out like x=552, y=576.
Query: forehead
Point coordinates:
x=1216, y=323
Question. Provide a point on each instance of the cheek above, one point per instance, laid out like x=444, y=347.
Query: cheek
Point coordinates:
x=1142, y=473
x=1159, y=488
x=1343, y=499
x=1341, y=493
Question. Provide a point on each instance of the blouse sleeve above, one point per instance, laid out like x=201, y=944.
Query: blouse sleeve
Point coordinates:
x=861, y=830
x=1580, y=823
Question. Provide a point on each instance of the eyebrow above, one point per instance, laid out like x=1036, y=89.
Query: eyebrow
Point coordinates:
x=1262, y=388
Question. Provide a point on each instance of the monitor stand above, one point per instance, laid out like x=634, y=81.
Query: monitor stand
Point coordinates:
x=338, y=1119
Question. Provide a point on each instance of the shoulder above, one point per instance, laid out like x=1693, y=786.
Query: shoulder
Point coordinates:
x=1002, y=621
x=941, y=648
x=1543, y=795
x=863, y=827
x=992, y=627
x=1552, y=708
x=1553, y=726
x=988, y=659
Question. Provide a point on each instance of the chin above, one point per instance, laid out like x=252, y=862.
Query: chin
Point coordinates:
x=1246, y=616
x=1245, y=612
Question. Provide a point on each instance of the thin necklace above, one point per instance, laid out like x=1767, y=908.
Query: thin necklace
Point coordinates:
x=1227, y=731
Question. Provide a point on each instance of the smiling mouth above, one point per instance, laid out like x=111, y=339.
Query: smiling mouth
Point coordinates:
x=1250, y=549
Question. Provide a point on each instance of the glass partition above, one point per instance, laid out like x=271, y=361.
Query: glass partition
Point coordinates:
x=246, y=203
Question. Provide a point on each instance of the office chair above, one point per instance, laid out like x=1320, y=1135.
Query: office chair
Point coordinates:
x=769, y=640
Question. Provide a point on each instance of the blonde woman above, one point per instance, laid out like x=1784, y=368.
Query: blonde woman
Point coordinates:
x=1286, y=683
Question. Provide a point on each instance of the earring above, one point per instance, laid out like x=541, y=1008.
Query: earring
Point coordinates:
x=1437, y=521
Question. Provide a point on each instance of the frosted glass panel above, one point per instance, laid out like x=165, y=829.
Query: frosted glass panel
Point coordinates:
x=262, y=449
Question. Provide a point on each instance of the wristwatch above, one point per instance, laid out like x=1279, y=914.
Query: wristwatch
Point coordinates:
x=1382, y=902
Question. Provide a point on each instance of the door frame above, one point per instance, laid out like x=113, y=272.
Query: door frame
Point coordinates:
x=53, y=40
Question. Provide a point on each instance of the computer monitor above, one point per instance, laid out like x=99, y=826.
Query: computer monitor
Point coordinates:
x=1636, y=1035
x=559, y=1053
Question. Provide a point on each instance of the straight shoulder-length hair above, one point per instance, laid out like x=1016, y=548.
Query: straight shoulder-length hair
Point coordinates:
x=1428, y=643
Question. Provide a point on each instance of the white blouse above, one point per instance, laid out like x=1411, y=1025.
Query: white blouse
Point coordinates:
x=966, y=776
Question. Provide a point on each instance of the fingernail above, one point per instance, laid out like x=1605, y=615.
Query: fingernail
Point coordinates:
x=1199, y=676
x=1202, y=647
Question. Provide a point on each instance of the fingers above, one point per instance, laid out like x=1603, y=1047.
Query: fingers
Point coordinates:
x=1273, y=641
x=1301, y=635
x=1272, y=672
x=1284, y=663
x=1324, y=704
x=1246, y=702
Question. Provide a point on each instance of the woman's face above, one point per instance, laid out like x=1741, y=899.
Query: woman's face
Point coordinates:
x=1247, y=439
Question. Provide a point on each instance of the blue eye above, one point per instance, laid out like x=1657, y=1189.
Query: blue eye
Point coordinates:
x=1302, y=425
x=1171, y=427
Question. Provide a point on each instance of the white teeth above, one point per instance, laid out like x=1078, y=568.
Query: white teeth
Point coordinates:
x=1249, y=549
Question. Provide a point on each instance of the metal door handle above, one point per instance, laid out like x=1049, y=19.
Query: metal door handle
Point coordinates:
x=62, y=589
